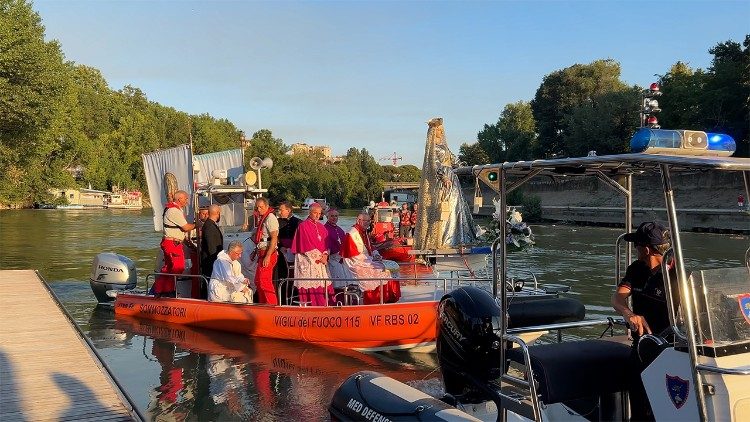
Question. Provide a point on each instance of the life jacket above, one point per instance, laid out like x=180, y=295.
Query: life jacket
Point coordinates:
x=404, y=217
x=259, y=220
x=164, y=215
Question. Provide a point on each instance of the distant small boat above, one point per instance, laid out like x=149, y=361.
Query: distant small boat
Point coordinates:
x=71, y=207
x=126, y=200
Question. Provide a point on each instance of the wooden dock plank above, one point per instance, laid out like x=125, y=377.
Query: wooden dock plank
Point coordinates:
x=47, y=372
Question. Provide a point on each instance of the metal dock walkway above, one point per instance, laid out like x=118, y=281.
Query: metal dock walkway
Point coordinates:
x=48, y=370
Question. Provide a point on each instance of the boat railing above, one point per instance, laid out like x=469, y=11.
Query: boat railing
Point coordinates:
x=668, y=256
x=522, y=398
x=618, y=258
x=610, y=322
x=350, y=291
x=178, y=279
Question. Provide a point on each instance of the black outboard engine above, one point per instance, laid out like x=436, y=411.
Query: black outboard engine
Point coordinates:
x=111, y=271
x=468, y=345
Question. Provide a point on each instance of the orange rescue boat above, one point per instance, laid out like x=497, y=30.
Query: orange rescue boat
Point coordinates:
x=409, y=325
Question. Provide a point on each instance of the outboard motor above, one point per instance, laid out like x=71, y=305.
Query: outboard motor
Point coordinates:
x=468, y=346
x=111, y=271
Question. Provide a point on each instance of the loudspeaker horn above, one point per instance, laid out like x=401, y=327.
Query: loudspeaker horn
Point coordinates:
x=256, y=163
x=267, y=163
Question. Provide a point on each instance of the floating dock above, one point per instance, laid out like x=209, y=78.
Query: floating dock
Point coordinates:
x=48, y=369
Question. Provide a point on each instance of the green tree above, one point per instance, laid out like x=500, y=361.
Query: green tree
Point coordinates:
x=517, y=130
x=489, y=139
x=726, y=98
x=605, y=124
x=405, y=173
x=681, y=89
x=263, y=144
x=366, y=175
x=410, y=173
x=563, y=90
x=34, y=86
x=472, y=154
x=714, y=100
x=210, y=134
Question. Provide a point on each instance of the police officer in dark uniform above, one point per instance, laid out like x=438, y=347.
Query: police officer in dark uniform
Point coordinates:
x=643, y=282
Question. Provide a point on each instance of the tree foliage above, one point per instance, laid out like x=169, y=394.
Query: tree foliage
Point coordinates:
x=472, y=154
x=561, y=92
x=714, y=100
x=59, y=119
x=586, y=107
x=61, y=125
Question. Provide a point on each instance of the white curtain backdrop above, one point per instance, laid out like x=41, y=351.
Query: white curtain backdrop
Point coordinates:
x=179, y=162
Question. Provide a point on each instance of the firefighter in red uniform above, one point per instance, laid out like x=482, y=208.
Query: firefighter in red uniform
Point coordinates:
x=404, y=223
x=176, y=229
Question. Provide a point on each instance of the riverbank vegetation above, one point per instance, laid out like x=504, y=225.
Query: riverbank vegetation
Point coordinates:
x=62, y=125
x=349, y=183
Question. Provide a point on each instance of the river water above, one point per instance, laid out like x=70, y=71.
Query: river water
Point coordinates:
x=174, y=372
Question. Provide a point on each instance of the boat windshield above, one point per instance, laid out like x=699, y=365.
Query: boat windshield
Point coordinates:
x=722, y=305
x=385, y=215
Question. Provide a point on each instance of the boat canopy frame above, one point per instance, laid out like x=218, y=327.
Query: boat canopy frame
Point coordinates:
x=617, y=172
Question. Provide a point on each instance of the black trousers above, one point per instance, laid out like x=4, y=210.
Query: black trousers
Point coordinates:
x=640, y=408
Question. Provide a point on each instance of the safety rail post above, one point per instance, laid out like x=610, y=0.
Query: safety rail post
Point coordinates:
x=176, y=279
x=670, y=294
x=529, y=382
x=618, y=258
x=687, y=293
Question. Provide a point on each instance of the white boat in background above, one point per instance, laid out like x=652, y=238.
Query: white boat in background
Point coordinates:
x=124, y=199
x=79, y=199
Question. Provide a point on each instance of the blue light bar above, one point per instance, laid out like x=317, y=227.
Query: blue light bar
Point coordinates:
x=647, y=138
x=681, y=142
x=721, y=142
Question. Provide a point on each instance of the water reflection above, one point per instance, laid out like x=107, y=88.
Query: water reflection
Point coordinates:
x=175, y=372
x=219, y=376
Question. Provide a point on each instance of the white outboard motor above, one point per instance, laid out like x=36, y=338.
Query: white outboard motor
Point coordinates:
x=111, y=271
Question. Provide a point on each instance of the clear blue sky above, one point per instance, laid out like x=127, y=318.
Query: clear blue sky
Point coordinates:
x=370, y=74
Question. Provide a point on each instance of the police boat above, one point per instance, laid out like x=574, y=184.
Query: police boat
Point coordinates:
x=696, y=370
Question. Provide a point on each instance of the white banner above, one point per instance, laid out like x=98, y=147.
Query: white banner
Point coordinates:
x=169, y=169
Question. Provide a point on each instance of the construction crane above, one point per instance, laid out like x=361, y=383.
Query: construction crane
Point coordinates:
x=393, y=158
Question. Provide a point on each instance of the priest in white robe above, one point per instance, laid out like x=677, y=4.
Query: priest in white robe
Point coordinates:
x=228, y=284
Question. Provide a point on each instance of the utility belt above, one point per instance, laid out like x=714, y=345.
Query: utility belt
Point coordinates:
x=173, y=239
x=259, y=253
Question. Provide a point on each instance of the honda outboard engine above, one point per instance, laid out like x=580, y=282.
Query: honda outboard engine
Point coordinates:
x=111, y=271
x=468, y=345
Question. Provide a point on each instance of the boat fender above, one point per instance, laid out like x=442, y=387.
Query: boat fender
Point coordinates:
x=373, y=397
x=525, y=313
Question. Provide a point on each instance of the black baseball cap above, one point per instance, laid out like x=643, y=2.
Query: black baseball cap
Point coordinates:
x=649, y=233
